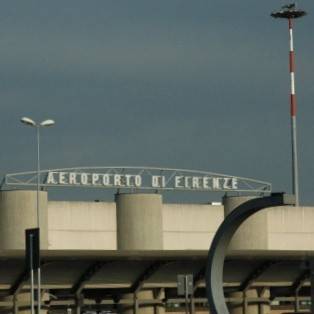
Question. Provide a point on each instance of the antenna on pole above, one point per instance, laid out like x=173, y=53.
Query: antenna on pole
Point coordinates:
x=290, y=12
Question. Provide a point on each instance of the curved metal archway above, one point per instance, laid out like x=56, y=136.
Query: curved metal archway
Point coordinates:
x=219, y=246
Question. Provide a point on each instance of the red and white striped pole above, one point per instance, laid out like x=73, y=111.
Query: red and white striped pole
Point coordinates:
x=293, y=113
x=290, y=13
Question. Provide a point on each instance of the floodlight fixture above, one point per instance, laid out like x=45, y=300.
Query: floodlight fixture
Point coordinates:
x=289, y=11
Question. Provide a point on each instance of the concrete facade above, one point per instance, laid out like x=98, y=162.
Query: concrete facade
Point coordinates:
x=94, y=225
x=184, y=227
x=290, y=228
x=77, y=225
x=253, y=233
x=190, y=226
x=18, y=211
x=136, y=218
x=139, y=221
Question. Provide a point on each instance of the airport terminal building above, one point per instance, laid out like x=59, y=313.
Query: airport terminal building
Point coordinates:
x=125, y=256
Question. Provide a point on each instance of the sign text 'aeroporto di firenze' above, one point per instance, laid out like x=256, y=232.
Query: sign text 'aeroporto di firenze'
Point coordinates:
x=137, y=178
x=138, y=181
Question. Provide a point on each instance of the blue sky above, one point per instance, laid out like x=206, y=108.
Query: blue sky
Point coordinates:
x=185, y=84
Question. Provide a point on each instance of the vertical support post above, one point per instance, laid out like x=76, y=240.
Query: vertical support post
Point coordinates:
x=293, y=112
x=186, y=294
x=157, y=297
x=296, y=302
x=245, y=303
x=192, y=308
x=32, y=259
x=38, y=290
x=312, y=284
x=135, y=304
x=78, y=309
x=185, y=288
x=261, y=304
x=156, y=307
x=78, y=305
x=32, y=273
x=15, y=305
x=38, y=221
x=38, y=175
x=290, y=13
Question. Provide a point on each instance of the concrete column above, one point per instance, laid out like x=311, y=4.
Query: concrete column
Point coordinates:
x=18, y=211
x=160, y=309
x=79, y=303
x=139, y=221
x=15, y=305
x=252, y=234
x=244, y=306
x=22, y=303
x=264, y=307
x=139, y=305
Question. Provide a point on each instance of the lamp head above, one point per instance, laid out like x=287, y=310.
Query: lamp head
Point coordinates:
x=289, y=11
x=28, y=121
x=48, y=122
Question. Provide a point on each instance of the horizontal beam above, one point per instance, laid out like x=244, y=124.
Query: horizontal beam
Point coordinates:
x=72, y=302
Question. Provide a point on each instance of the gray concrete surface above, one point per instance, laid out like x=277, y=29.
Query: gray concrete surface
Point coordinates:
x=93, y=225
x=190, y=226
x=251, y=307
x=253, y=233
x=18, y=211
x=82, y=225
x=221, y=241
x=139, y=221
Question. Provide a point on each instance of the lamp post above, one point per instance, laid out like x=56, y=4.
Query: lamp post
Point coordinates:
x=290, y=12
x=32, y=123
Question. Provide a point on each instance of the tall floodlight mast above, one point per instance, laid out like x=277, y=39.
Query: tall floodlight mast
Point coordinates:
x=290, y=12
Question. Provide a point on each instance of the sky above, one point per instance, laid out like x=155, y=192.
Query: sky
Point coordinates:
x=183, y=84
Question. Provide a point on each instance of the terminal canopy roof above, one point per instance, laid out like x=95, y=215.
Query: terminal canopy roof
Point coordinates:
x=106, y=275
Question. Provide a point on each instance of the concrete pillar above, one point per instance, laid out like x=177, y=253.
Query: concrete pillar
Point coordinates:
x=18, y=211
x=244, y=306
x=139, y=221
x=139, y=227
x=79, y=303
x=22, y=303
x=15, y=305
x=159, y=295
x=264, y=308
x=253, y=233
x=139, y=305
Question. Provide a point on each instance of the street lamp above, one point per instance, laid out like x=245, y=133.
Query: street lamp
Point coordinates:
x=32, y=123
x=290, y=12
